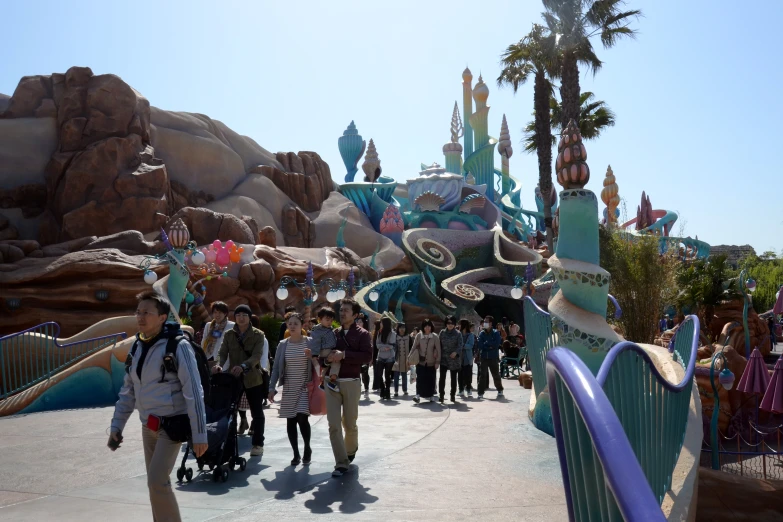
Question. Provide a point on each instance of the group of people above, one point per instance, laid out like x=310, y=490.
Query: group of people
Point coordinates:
x=340, y=357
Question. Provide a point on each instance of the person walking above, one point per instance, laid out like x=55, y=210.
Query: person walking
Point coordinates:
x=361, y=322
x=293, y=370
x=164, y=399
x=400, y=366
x=215, y=330
x=451, y=346
x=323, y=342
x=387, y=344
x=488, y=343
x=342, y=406
x=466, y=371
x=426, y=355
x=377, y=369
x=243, y=351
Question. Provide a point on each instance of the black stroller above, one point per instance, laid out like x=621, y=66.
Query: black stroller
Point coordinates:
x=225, y=392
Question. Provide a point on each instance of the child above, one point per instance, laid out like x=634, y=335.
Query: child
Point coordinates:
x=323, y=342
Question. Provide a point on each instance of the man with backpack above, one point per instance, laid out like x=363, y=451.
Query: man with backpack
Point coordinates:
x=164, y=382
x=243, y=348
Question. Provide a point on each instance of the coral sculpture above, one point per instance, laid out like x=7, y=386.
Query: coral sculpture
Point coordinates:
x=609, y=196
x=644, y=213
x=371, y=165
x=571, y=166
x=429, y=202
x=391, y=221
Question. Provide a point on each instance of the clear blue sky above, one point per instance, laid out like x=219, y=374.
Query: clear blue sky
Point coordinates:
x=697, y=95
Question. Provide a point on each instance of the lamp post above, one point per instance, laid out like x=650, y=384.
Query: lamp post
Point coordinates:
x=726, y=379
x=336, y=289
x=747, y=287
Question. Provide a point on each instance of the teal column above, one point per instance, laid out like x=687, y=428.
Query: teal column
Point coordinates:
x=467, y=111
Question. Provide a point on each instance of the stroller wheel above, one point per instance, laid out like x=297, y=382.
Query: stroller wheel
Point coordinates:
x=216, y=475
x=242, y=464
x=180, y=474
x=232, y=463
x=224, y=475
x=189, y=474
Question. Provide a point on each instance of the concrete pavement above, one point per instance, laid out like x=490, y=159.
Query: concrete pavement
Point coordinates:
x=474, y=460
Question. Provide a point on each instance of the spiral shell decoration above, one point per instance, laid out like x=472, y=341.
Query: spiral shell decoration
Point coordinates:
x=472, y=201
x=429, y=202
x=609, y=195
x=371, y=165
x=571, y=167
x=435, y=254
x=468, y=292
x=179, y=236
x=504, y=145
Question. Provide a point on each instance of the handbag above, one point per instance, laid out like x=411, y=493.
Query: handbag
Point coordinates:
x=315, y=395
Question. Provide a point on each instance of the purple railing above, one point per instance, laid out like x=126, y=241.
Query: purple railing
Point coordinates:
x=33, y=355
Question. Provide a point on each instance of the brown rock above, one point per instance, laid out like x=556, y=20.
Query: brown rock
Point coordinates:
x=71, y=134
x=28, y=95
x=26, y=245
x=53, y=252
x=74, y=244
x=11, y=254
x=267, y=237
x=58, y=87
x=282, y=158
x=128, y=241
x=246, y=277
x=252, y=225
x=263, y=275
x=526, y=380
x=3, y=222
x=297, y=227
x=47, y=109
x=26, y=197
x=206, y=225
x=77, y=77
x=36, y=254
x=307, y=181
x=295, y=163
x=8, y=233
x=111, y=104
x=108, y=218
x=48, y=229
x=145, y=181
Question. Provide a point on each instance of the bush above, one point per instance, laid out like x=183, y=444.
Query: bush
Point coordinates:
x=270, y=325
x=768, y=274
x=643, y=281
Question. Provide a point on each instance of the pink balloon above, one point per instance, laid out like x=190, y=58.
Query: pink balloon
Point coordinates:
x=209, y=254
x=229, y=244
x=217, y=244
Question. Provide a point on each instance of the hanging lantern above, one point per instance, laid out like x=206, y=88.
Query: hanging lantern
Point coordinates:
x=150, y=277
x=179, y=236
x=198, y=258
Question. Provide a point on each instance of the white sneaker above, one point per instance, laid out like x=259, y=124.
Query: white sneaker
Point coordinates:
x=432, y=399
x=500, y=395
x=462, y=394
x=257, y=451
x=470, y=393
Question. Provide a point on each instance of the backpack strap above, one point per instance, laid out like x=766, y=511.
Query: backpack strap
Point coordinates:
x=129, y=358
x=170, y=357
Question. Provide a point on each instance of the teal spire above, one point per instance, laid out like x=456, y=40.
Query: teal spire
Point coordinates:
x=351, y=147
x=340, y=239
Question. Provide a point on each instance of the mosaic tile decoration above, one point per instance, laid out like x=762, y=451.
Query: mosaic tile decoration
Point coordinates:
x=577, y=194
x=568, y=335
x=563, y=275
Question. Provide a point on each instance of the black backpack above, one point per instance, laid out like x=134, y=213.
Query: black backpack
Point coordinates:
x=175, y=334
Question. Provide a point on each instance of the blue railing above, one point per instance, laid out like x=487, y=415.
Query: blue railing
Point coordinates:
x=603, y=481
x=681, y=344
x=34, y=355
x=628, y=391
x=538, y=335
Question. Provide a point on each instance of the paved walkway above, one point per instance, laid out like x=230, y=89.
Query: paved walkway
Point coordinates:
x=469, y=461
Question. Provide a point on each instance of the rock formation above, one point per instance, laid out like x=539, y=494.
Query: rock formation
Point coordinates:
x=644, y=213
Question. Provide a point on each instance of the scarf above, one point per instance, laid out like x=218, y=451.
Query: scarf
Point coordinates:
x=214, y=328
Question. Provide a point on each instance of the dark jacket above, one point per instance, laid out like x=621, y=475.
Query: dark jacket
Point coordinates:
x=249, y=353
x=450, y=342
x=357, y=346
x=489, y=344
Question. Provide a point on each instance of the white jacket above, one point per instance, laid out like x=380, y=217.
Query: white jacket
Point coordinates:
x=218, y=342
x=178, y=394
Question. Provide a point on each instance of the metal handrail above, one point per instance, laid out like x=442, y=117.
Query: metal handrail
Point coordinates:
x=33, y=355
x=538, y=336
x=685, y=342
x=601, y=476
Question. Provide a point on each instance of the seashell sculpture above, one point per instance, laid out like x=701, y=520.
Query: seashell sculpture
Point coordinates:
x=351, y=147
x=472, y=201
x=429, y=202
x=469, y=179
x=609, y=196
x=571, y=167
x=504, y=144
x=371, y=165
x=178, y=235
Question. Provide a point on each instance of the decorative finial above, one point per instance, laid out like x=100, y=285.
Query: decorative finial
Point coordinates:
x=609, y=196
x=467, y=76
x=481, y=91
x=351, y=146
x=371, y=165
x=571, y=165
x=457, y=129
x=504, y=145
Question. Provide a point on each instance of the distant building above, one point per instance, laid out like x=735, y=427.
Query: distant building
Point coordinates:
x=734, y=254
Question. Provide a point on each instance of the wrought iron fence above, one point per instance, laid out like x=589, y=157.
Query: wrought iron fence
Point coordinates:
x=761, y=458
x=34, y=355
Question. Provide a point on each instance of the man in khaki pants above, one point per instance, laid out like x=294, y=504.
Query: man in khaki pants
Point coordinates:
x=342, y=406
x=169, y=399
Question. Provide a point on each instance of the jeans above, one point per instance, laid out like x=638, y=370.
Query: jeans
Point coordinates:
x=489, y=366
x=442, y=381
x=465, y=378
x=404, y=376
x=255, y=397
x=385, y=377
x=366, y=377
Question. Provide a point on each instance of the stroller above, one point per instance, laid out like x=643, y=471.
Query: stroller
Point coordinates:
x=221, y=413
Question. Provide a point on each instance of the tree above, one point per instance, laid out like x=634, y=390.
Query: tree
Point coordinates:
x=703, y=285
x=534, y=55
x=595, y=116
x=575, y=22
x=768, y=274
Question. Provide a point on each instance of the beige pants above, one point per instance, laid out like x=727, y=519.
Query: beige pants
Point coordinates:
x=160, y=455
x=342, y=409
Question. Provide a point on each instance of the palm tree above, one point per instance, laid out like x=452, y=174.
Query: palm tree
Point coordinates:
x=534, y=55
x=575, y=22
x=594, y=117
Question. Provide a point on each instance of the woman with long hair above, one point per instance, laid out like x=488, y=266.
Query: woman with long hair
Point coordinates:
x=426, y=356
x=400, y=367
x=386, y=343
x=293, y=370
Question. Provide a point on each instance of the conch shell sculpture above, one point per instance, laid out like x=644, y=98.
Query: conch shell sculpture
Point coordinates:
x=609, y=196
x=504, y=145
x=371, y=165
x=571, y=166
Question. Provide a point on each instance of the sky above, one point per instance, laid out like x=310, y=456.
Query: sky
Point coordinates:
x=697, y=93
